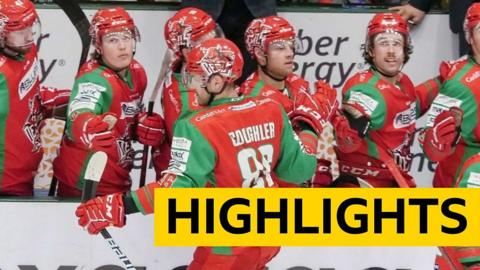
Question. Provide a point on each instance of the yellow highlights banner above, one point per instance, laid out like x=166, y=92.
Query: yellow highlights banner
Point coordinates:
x=317, y=217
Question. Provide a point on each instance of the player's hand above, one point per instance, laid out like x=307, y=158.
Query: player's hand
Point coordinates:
x=347, y=138
x=439, y=140
x=101, y=212
x=51, y=97
x=409, y=13
x=95, y=132
x=150, y=129
x=326, y=98
x=306, y=113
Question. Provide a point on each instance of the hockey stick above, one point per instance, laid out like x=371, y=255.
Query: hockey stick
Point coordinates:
x=93, y=173
x=80, y=21
x=78, y=18
x=167, y=59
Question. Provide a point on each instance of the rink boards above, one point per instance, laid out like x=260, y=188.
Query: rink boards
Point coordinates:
x=45, y=235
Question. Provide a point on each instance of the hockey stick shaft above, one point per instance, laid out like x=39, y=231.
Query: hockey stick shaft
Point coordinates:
x=93, y=173
x=167, y=59
x=77, y=17
x=143, y=169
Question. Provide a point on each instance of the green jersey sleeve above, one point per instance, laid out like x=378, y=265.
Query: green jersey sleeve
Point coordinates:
x=294, y=164
x=193, y=159
x=372, y=102
x=91, y=93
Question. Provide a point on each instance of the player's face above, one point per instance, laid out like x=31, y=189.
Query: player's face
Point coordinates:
x=280, y=56
x=475, y=40
x=21, y=40
x=117, y=49
x=388, y=53
x=197, y=82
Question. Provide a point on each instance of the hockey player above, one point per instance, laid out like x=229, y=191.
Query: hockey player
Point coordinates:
x=24, y=103
x=452, y=133
x=104, y=112
x=382, y=105
x=186, y=28
x=439, y=139
x=212, y=148
x=272, y=44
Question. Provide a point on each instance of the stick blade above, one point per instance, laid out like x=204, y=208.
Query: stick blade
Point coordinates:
x=96, y=166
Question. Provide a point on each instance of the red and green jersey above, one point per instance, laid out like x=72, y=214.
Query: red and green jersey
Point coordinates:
x=460, y=89
x=469, y=176
x=20, y=117
x=98, y=89
x=238, y=142
x=393, y=109
x=176, y=101
x=255, y=87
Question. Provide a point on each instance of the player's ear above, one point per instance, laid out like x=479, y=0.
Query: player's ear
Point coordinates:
x=215, y=83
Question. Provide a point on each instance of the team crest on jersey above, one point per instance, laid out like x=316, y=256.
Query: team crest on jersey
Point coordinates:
x=28, y=81
x=405, y=118
x=402, y=155
x=31, y=127
x=130, y=109
x=125, y=150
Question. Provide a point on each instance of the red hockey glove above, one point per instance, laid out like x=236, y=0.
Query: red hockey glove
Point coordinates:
x=94, y=132
x=99, y=213
x=323, y=176
x=346, y=137
x=438, y=141
x=306, y=113
x=52, y=97
x=326, y=98
x=150, y=129
x=444, y=69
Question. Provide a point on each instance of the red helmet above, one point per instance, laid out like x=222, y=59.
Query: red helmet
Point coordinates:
x=261, y=32
x=216, y=56
x=187, y=25
x=110, y=20
x=387, y=22
x=472, y=18
x=16, y=15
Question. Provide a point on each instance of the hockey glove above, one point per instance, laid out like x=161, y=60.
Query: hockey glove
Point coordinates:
x=306, y=114
x=99, y=213
x=52, y=97
x=347, y=138
x=323, y=176
x=326, y=98
x=439, y=141
x=94, y=132
x=150, y=129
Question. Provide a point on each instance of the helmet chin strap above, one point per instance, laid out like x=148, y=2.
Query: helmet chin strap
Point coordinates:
x=265, y=70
